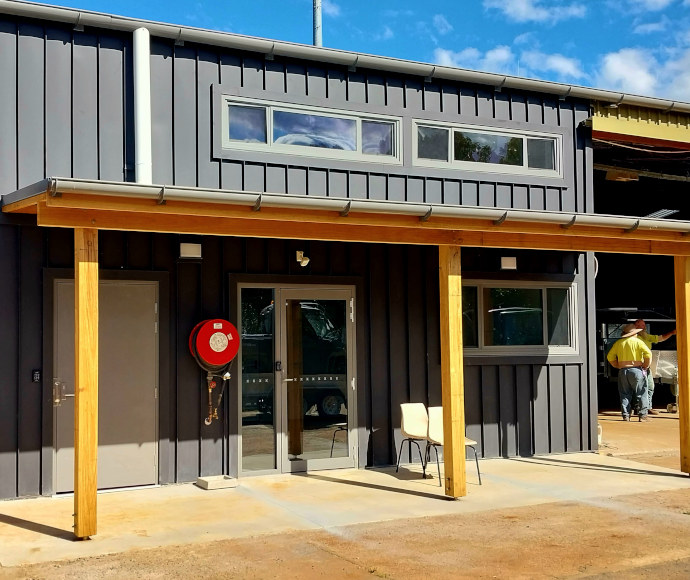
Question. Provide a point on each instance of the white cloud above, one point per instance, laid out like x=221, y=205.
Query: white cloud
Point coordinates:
x=651, y=27
x=537, y=10
x=629, y=70
x=677, y=71
x=330, y=8
x=386, y=34
x=563, y=66
x=442, y=25
x=499, y=59
x=525, y=38
x=651, y=5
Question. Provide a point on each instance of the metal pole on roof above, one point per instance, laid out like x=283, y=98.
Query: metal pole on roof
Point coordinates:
x=318, y=41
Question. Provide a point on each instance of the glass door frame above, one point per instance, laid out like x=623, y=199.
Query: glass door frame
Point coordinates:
x=346, y=292
x=347, y=295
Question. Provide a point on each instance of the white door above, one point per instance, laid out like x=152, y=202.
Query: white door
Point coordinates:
x=127, y=384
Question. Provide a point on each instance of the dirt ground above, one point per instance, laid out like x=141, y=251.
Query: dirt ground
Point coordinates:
x=636, y=535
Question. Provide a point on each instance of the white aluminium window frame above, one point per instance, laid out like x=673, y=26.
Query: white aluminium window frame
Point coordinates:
x=452, y=163
x=544, y=349
x=292, y=149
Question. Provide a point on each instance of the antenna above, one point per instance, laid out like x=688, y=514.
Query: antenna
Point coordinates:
x=317, y=23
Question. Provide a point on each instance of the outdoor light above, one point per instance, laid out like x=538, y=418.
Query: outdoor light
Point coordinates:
x=190, y=250
x=302, y=260
x=508, y=263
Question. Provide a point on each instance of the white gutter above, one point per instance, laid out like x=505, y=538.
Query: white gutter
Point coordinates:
x=143, y=168
x=256, y=200
x=329, y=55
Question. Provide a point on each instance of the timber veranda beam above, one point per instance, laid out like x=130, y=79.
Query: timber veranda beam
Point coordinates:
x=50, y=216
x=85, y=381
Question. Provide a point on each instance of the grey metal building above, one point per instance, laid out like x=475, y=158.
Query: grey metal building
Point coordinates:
x=309, y=139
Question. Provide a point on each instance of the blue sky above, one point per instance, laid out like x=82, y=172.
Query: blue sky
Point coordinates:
x=635, y=46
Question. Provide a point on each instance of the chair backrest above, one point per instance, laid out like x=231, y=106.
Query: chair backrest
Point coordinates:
x=436, y=425
x=415, y=421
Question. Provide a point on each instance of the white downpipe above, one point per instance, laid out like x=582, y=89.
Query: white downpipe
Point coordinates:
x=318, y=39
x=143, y=169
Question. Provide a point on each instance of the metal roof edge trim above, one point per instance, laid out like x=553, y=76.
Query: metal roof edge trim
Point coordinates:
x=424, y=211
x=330, y=55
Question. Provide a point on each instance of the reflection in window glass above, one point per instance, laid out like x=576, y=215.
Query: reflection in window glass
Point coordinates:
x=247, y=124
x=377, y=138
x=432, y=143
x=513, y=316
x=488, y=148
x=470, y=327
x=314, y=131
x=558, y=316
x=257, y=352
x=541, y=153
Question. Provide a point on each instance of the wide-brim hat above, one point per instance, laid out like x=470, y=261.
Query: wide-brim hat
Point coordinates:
x=630, y=330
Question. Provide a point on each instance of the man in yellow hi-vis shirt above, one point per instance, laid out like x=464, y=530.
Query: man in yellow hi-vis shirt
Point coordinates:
x=649, y=340
x=631, y=356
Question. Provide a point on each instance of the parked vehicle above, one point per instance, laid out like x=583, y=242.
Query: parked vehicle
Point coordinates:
x=324, y=363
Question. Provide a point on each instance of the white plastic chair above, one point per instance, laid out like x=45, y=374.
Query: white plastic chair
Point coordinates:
x=414, y=427
x=435, y=439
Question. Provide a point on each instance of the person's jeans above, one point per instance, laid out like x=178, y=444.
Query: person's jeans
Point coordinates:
x=632, y=389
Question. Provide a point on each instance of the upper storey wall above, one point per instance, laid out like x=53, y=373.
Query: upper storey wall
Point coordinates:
x=68, y=111
x=188, y=83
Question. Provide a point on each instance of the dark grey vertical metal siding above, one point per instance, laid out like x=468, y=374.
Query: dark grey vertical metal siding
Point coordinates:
x=250, y=75
x=65, y=98
x=9, y=358
x=513, y=406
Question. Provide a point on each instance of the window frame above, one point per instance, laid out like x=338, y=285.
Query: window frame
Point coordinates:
x=452, y=163
x=303, y=150
x=544, y=349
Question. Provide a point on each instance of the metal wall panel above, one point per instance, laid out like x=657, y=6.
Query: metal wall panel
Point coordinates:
x=162, y=114
x=8, y=111
x=9, y=358
x=58, y=117
x=111, y=106
x=85, y=124
x=30, y=90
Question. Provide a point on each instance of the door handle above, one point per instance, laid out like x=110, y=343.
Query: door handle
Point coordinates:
x=289, y=380
x=57, y=393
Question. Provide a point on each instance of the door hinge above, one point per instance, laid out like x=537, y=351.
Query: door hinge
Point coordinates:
x=155, y=307
x=352, y=309
x=353, y=383
x=155, y=392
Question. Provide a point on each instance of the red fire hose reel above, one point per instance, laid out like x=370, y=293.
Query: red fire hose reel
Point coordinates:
x=214, y=344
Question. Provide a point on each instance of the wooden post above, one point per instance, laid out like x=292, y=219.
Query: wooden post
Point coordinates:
x=452, y=383
x=682, y=288
x=85, y=381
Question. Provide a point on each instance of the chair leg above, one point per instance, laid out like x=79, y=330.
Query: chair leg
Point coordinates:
x=400, y=454
x=333, y=442
x=479, y=475
x=421, y=457
x=438, y=465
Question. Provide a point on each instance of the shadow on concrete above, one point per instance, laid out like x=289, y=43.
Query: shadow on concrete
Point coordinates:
x=594, y=466
x=404, y=477
x=38, y=528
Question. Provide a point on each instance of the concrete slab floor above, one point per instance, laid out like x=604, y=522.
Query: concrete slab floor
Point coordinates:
x=39, y=530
